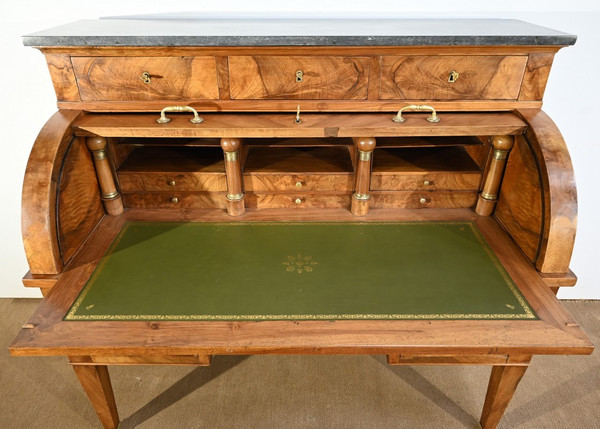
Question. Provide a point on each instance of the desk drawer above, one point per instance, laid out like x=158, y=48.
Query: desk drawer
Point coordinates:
x=427, y=77
x=298, y=182
x=303, y=78
x=146, y=78
x=139, y=182
x=423, y=199
x=291, y=201
x=175, y=200
x=426, y=181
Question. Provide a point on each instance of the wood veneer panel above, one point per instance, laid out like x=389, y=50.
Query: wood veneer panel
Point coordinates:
x=274, y=77
x=520, y=205
x=39, y=199
x=63, y=77
x=171, y=78
x=426, y=77
x=313, y=125
x=559, y=190
x=536, y=76
x=79, y=204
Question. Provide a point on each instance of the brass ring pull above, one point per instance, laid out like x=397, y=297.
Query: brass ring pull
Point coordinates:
x=163, y=118
x=433, y=118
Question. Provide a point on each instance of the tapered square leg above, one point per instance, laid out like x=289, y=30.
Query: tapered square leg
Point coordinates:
x=96, y=383
x=502, y=386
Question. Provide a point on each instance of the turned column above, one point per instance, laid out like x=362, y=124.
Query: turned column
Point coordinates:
x=108, y=189
x=489, y=195
x=233, y=170
x=361, y=196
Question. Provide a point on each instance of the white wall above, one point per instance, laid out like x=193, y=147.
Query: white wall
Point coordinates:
x=28, y=98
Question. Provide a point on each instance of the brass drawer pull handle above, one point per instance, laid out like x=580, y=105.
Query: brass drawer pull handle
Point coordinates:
x=171, y=183
x=163, y=117
x=453, y=76
x=174, y=200
x=423, y=201
x=433, y=118
x=426, y=182
x=299, y=76
x=298, y=201
x=298, y=184
x=146, y=77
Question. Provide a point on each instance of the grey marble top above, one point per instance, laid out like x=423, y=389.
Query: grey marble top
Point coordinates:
x=192, y=31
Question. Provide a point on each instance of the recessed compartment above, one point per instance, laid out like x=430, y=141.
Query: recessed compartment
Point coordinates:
x=428, y=169
x=299, y=169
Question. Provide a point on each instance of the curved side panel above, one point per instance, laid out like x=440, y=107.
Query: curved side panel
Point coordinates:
x=38, y=215
x=559, y=192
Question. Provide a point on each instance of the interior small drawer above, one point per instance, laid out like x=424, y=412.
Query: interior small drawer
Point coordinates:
x=299, y=201
x=298, y=77
x=450, y=77
x=257, y=182
x=175, y=200
x=146, y=78
x=425, y=181
x=423, y=199
x=140, y=182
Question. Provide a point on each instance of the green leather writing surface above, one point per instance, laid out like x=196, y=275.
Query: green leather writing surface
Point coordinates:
x=279, y=271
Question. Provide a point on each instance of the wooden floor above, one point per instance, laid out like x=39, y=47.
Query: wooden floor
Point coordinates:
x=298, y=391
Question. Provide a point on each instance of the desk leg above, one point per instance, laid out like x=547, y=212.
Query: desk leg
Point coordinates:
x=502, y=386
x=96, y=383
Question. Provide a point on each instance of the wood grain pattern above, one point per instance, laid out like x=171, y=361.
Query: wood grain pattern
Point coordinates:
x=423, y=77
x=175, y=200
x=79, y=206
x=172, y=78
x=313, y=125
x=257, y=182
x=560, y=192
x=172, y=182
x=424, y=181
x=502, y=386
x=536, y=76
x=397, y=359
x=43, y=281
x=254, y=106
x=423, y=199
x=298, y=160
x=195, y=360
x=39, y=198
x=96, y=383
x=274, y=77
x=297, y=200
x=63, y=77
x=520, y=205
x=559, y=279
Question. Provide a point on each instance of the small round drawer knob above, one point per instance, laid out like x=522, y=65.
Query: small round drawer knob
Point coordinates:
x=174, y=200
x=426, y=182
x=423, y=201
x=171, y=183
x=298, y=184
x=298, y=201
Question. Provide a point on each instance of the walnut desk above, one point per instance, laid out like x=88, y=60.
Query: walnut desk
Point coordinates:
x=401, y=174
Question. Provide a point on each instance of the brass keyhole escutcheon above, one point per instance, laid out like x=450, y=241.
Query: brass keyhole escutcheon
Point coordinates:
x=453, y=76
x=146, y=77
x=299, y=75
